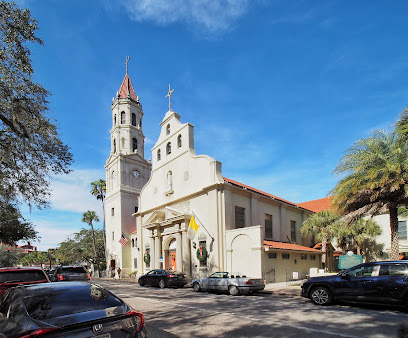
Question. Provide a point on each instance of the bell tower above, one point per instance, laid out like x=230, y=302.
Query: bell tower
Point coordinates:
x=127, y=171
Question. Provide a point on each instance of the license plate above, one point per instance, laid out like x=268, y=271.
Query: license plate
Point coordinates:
x=105, y=335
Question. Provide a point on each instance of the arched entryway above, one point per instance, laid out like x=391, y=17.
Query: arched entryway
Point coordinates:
x=171, y=259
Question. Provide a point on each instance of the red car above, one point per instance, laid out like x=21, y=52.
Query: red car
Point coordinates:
x=10, y=277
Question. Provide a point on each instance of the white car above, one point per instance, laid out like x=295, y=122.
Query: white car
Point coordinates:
x=233, y=284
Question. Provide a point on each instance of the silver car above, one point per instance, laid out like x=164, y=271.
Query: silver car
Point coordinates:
x=233, y=284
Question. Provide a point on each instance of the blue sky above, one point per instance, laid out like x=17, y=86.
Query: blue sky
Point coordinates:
x=276, y=90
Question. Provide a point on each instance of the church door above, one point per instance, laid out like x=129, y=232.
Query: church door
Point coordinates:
x=172, y=255
x=173, y=264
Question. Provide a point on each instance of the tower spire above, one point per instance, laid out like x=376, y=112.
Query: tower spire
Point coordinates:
x=126, y=63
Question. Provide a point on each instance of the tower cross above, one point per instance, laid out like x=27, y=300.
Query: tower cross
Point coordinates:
x=169, y=96
x=126, y=63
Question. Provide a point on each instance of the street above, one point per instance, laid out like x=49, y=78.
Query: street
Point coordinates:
x=185, y=313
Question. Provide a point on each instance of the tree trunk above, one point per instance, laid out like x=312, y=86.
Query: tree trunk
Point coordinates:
x=394, y=234
x=94, y=247
x=324, y=244
x=358, y=248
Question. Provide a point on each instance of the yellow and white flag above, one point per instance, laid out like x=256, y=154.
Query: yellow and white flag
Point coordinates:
x=192, y=229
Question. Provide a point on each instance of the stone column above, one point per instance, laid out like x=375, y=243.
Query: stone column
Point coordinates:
x=152, y=253
x=179, y=252
x=186, y=252
x=157, y=252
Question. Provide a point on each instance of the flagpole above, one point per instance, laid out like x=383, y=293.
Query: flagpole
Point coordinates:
x=202, y=225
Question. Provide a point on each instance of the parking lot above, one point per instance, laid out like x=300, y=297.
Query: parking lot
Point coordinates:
x=184, y=313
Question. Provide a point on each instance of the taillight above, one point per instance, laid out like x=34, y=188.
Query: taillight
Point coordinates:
x=39, y=332
x=171, y=276
x=60, y=277
x=248, y=282
x=140, y=318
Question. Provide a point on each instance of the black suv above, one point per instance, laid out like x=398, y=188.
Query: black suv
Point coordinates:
x=69, y=273
x=376, y=282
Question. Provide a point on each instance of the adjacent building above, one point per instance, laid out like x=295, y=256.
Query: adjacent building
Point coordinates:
x=379, y=247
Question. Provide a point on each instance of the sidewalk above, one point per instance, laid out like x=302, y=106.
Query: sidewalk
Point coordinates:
x=281, y=289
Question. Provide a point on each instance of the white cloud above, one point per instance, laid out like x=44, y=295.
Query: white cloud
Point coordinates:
x=210, y=16
x=72, y=192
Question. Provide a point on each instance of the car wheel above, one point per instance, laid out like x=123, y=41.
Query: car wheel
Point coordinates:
x=196, y=287
x=321, y=296
x=162, y=284
x=233, y=290
x=142, y=282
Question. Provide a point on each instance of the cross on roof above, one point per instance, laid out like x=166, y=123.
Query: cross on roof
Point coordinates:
x=169, y=96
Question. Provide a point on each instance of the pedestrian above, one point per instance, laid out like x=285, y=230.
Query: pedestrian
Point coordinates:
x=112, y=272
x=119, y=271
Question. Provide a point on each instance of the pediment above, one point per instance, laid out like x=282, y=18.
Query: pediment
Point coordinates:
x=156, y=217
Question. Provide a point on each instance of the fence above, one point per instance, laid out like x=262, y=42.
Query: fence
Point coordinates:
x=269, y=276
x=295, y=277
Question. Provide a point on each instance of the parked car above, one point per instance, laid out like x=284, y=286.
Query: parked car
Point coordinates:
x=69, y=273
x=77, y=309
x=10, y=277
x=233, y=284
x=376, y=282
x=163, y=278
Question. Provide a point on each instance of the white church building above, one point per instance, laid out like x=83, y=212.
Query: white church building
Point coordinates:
x=149, y=206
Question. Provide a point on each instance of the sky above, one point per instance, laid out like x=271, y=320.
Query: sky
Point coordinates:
x=277, y=90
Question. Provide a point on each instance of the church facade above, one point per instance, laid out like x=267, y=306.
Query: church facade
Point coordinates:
x=242, y=230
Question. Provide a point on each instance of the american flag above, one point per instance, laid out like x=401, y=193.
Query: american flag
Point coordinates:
x=123, y=239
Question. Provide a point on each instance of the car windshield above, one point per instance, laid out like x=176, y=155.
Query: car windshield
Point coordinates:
x=219, y=275
x=53, y=303
x=21, y=276
x=73, y=269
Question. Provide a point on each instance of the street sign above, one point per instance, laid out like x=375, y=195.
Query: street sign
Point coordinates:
x=161, y=260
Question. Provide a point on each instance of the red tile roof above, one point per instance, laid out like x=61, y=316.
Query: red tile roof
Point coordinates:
x=127, y=88
x=321, y=204
x=247, y=187
x=134, y=232
x=288, y=246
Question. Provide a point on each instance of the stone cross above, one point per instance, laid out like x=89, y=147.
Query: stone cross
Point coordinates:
x=169, y=96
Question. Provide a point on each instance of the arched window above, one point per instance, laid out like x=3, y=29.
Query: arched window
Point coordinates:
x=168, y=148
x=114, y=120
x=179, y=141
x=122, y=118
x=114, y=146
x=158, y=155
x=168, y=129
x=134, y=144
x=133, y=119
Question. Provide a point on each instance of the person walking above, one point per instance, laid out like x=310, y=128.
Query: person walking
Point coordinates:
x=119, y=271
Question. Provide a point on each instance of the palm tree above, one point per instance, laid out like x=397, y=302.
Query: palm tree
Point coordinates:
x=88, y=217
x=321, y=225
x=376, y=173
x=98, y=189
x=401, y=127
x=363, y=228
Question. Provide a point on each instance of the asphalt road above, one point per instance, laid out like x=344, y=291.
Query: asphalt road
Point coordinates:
x=185, y=313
